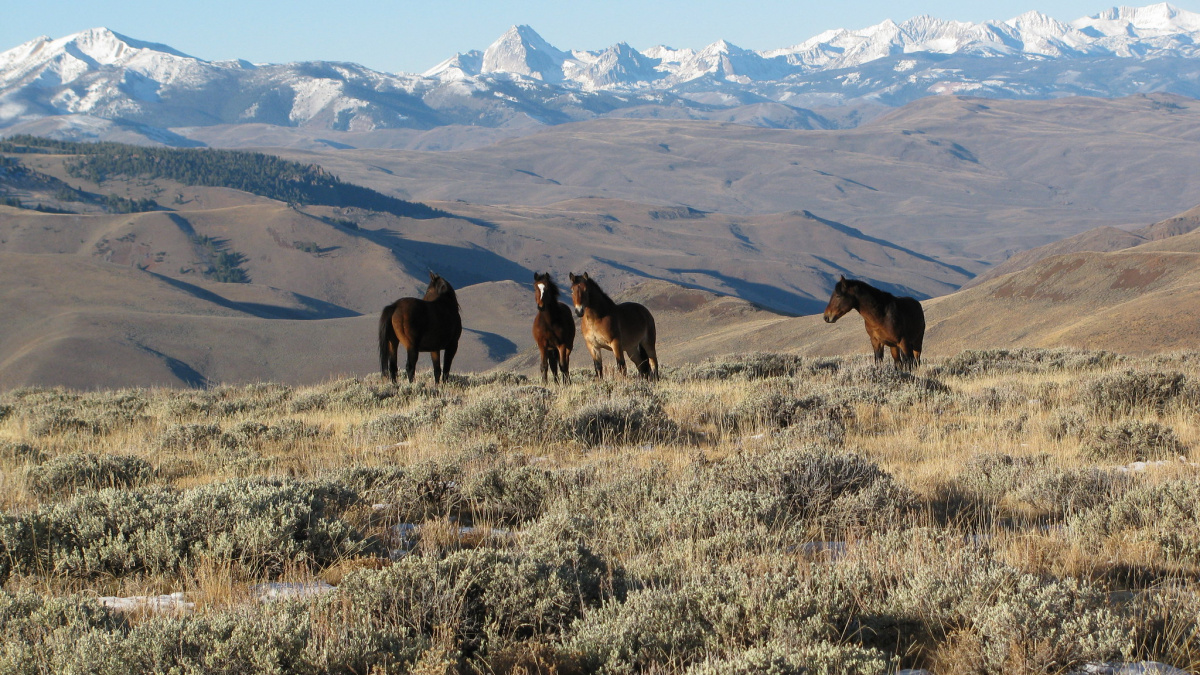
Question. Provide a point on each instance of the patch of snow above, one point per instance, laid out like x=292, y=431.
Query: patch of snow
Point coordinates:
x=172, y=602
x=283, y=590
x=1142, y=668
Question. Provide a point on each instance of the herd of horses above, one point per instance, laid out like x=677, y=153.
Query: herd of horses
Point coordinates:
x=433, y=324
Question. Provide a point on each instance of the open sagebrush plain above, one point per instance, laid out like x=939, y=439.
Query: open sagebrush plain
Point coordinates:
x=1024, y=511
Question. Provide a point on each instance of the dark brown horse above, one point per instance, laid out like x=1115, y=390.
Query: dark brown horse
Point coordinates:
x=428, y=325
x=553, y=328
x=626, y=328
x=898, y=323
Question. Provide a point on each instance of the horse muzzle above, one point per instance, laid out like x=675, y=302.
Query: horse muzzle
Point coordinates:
x=830, y=318
x=579, y=312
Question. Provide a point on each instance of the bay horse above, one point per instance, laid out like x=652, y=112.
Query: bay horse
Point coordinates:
x=430, y=325
x=553, y=328
x=894, y=322
x=625, y=328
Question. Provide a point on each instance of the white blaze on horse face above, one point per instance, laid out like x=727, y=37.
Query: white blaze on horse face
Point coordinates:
x=541, y=290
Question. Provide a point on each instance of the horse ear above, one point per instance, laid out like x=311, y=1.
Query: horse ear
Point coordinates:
x=571, y=276
x=432, y=276
x=585, y=277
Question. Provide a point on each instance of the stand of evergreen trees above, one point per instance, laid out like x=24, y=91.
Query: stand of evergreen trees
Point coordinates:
x=253, y=172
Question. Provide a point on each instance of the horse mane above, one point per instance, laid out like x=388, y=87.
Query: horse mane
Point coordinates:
x=600, y=299
x=862, y=288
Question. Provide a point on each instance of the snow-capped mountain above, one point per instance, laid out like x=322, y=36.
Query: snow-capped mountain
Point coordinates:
x=95, y=81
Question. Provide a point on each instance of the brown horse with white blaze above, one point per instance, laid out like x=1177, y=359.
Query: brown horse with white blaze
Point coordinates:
x=430, y=325
x=625, y=328
x=553, y=328
x=891, y=321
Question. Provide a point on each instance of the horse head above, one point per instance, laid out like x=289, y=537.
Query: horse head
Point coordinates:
x=841, y=301
x=544, y=290
x=439, y=288
x=579, y=292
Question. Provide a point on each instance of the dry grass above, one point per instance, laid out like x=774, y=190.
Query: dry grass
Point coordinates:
x=851, y=515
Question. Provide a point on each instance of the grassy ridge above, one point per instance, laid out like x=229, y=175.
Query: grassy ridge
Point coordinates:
x=769, y=513
x=253, y=172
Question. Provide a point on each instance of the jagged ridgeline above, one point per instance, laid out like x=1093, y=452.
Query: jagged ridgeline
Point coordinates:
x=253, y=172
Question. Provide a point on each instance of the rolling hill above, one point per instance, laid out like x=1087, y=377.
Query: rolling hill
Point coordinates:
x=967, y=181
x=1098, y=239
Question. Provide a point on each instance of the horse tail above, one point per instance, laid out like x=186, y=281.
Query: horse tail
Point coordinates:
x=387, y=337
x=650, y=339
x=643, y=361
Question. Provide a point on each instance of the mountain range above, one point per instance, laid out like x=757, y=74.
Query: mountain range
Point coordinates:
x=100, y=84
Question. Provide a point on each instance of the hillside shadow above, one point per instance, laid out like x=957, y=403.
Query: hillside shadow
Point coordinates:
x=460, y=265
x=313, y=309
x=858, y=234
x=775, y=299
x=499, y=348
x=766, y=297
x=186, y=374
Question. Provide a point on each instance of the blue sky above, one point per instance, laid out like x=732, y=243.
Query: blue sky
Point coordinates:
x=404, y=36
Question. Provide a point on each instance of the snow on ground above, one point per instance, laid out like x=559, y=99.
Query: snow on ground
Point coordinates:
x=284, y=590
x=173, y=602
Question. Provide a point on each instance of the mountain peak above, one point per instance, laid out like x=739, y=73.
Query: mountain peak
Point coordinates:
x=1149, y=21
x=522, y=51
x=108, y=46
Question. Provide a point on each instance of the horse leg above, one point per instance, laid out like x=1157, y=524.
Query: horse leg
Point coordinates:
x=906, y=357
x=564, y=363
x=448, y=358
x=620, y=356
x=546, y=363
x=652, y=357
x=410, y=366
x=552, y=358
x=597, y=364
x=437, y=366
x=878, y=348
x=391, y=361
x=896, y=357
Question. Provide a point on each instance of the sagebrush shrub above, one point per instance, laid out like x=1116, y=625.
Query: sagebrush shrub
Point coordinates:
x=262, y=525
x=1131, y=440
x=189, y=437
x=1133, y=391
x=508, y=494
x=490, y=598
x=992, y=476
x=778, y=407
x=797, y=657
x=1166, y=515
x=515, y=416
x=1063, y=493
x=809, y=491
x=622, y=417
x=77, y=634
x=1069, y=423
x=977, y=362
x=67, y=473
x=13, y=451
x=752, y=366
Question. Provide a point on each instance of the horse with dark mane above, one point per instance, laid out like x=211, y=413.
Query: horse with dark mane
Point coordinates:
x=625, y=328
x=894, y=322
x=429, y=325
x=553, y=328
